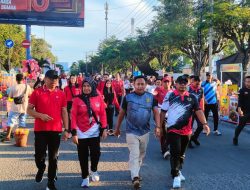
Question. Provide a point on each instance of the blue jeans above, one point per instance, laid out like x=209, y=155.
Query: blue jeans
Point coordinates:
x=15, y=118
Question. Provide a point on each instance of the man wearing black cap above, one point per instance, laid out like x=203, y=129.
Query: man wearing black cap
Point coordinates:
x=180, y=105
x=49, y=107
x=211, y=101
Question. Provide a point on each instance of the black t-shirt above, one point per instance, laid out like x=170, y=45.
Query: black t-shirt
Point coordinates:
x=244, y=100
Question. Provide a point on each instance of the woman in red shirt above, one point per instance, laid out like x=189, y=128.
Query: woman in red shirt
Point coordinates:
x=88, y=123
x=111, y=101
x=71, y=91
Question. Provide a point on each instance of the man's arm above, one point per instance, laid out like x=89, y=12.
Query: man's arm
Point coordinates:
x=162, y=117
x=120, y=118
x=32, y=112
x=65, y=118
x=202, y=119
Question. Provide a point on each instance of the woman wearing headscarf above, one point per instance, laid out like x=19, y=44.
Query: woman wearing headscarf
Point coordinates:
x=71, y=91
x=88, y=124
x=111, y=101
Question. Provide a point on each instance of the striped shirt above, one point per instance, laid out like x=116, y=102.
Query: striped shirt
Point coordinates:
x=210, y=90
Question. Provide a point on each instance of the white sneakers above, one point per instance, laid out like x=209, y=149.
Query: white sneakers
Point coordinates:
x=182, y=176
x=218, y=133
x=95, y=176
x=177, y=180
x=85, y=182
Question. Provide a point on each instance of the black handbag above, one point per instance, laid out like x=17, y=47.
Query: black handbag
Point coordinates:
x=20, y=99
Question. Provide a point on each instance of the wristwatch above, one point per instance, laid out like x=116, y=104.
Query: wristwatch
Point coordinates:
x=67, y=130
x=204, y=123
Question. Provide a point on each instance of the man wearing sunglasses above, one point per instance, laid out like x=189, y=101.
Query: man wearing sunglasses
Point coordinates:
x=180, y=105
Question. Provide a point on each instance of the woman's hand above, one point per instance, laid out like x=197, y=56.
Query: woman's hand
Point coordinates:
x=104, y=134
x=75, y=139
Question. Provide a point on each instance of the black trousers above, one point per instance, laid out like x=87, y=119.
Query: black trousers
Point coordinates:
x=242, y=123
x=119, y=98
x=199, y=127
x=110, y=114
x=86, y=147
x=51, y=141
x=178, y=146
x=69, y=106
x=214, y=109
x=164, y=140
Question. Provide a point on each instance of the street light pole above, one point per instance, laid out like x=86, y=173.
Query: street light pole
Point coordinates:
x=210, y=41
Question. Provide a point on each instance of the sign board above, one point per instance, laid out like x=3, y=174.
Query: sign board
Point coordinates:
x=26, y=43
x=43, y=12
x=9, y=43
x=230, y=67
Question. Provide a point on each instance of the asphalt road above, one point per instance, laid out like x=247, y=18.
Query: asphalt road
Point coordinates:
x=215, y=165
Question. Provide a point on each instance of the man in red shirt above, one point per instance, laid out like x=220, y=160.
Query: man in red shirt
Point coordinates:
x=118, y=86
x=48, y=106
x=159, y=94
x=101, y=84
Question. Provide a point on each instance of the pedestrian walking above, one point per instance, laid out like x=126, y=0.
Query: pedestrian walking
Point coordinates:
x=71, y=91
x=89, y=123
x=137, y=107
x=180, y=106
x=101, y=83
x=197, y=91
x=159, y=94
x=119, y=89
x=211, y=101
x=17, y=114
x=243, y=109
x=111, y=101
x=48, y=106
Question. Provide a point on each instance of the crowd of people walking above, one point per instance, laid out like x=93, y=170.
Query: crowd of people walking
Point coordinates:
x=84, y=110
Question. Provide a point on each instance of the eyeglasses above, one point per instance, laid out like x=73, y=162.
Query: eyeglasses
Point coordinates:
x=183, y=82
x=166, y=81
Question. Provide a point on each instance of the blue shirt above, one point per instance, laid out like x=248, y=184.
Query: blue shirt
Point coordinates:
x=210, y=92
x=138, y=112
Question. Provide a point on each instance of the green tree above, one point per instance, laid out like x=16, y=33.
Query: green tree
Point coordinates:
x=17, y=53
x=232, y=20
x=41, y=50
x=184, y=28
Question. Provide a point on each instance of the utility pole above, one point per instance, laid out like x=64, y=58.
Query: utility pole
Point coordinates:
x=106, y=7
x=86, y=63
x=210, y=40
x=200, y=32
x=132, y=26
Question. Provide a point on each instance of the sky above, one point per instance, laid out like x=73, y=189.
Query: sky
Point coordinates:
x=71, y=44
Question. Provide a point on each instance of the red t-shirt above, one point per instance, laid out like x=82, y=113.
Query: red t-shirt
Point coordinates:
x=118, y=87
x=160, y=94
x=100, y=87
x=50, y=103
x=75, y=92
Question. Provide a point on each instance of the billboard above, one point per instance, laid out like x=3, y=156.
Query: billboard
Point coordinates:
x=43, y=12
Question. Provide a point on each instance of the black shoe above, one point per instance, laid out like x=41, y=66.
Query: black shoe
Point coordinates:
x=51, y=186
x=235, y=141
x=136, y=183
x=196, y=142
x=39, y=176
x=190, y=145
